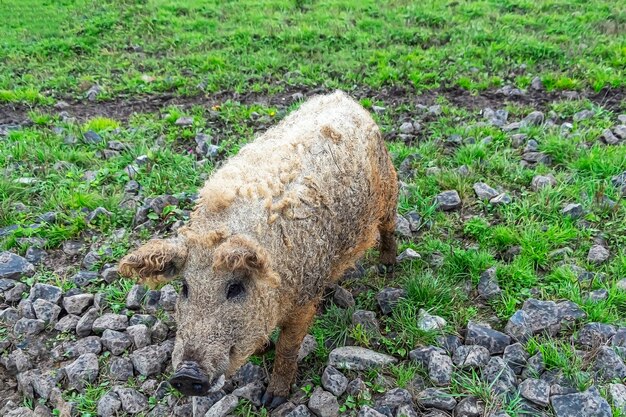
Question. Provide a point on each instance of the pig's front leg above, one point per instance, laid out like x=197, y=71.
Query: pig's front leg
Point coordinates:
x=292, y=333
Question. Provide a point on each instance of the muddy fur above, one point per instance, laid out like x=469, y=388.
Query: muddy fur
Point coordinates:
x=285, y=217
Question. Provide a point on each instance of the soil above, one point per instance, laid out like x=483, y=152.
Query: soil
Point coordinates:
x=124, y=108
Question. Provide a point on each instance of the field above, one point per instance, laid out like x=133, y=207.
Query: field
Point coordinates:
x=114, y=113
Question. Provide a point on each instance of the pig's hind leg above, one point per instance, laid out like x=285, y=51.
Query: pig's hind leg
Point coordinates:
x=286, y=362
x=387, y=245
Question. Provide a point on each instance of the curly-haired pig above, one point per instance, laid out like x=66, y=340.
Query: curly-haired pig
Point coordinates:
x=273, y=227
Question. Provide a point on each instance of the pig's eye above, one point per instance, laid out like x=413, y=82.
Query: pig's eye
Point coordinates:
x=185, y=290
x=235, y=290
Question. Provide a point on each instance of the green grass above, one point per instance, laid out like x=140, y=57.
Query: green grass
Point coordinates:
x=145, y=47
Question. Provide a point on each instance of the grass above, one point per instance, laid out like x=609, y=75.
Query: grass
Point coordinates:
x=59, y=50
x=192, y=46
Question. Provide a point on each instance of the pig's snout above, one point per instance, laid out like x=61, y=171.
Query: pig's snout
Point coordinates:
x=191, y=381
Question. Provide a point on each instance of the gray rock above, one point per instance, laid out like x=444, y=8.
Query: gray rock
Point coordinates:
x=534, y=367
x=500, y=377
x=85, y=324
x=90, y=262
x=450, y=343
x=608, y=365
x=151, y=301
x=619, y=339
x=223, y=407
x=323, y=403
x=14, y=267
x=536, y=84
x=149, y=360
x=35, y=255
x=403, y=227
x=617, y=393
x=168, y=298
x=394, y=398
x=387, y=298
x=537, y=157
x=422, y=355
x=598, y=254
x=542, y=316
x=407, y=128
x=436, y=398
x=110, y=274
x=120, y=369
x=139, y=335
x=46, y=311
x=471, y=356
x=6, y=284
x=14, y=295
x=484, y=192
x=598, y=295
x=77, y=304
x=82, y=371
x=135, y=296
x=110, y=321
x=46, y=292
x=200, y=405
x=299, y=411
x=543, y=181
x=535, y=390
x=367, y=320
x=570, y=312
x=342, y=297
x=607, y=137
x=493, y=340
x=427, y=322
x=595, y=334
x=533, y=119
x=516, y=357
x=440, y=369
x=366, y=411
x=184, y=121
x=573, y=210
x=249, y=373
x=488, y=287
x=115, y=342
x=334, y=381
x=620, y=131
x=583, y=115
x=308, y=346
x=583, y=404
x=407, y=254
x=251, y=392
x=133, y=402
x=84, y=278
x=73, y=247
x=159, y=331
x=449, y=200
x=67, y=323
x=109, y=405
x=25, y=309
x=356, y=387
x=358, y=358
x=469, y=407
x=91, y=344
x=29, y=327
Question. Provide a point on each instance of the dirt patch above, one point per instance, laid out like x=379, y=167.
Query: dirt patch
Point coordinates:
x=124, y=108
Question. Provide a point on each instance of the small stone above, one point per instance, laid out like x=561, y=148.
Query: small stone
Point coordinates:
x=85, y=324
x=358, y=358
x=82, y=371
x=583, y=115
x=135, y=296
x=151, y=301
x=343, y=298
x=46, y=311
x=149, y=360
x=422, y=355
x=77, y=304
x=356, y=387
x=133, y=402
x=570, y=312
x=110, y=321
x=573, y=211
x=433, y=397
x=91, y=138
x=617, y=392
x=35, y=255
x=109, y=405
x=536, y=84
x=620, y=131
x=367, y=320
x=115, y=342
x=15, y=294
x=583, y=404
x=366, y=411
x=484, y=192
x=407, y=128
x=535, y=390
x=300, y=411
x=598, y=254
x=471, y=356
x=533, y=119
x=516, y=357
x=403, y=227
x=323, y=403
x=440, y=369
x=387, y=298
x=110, y=275
x=608, y=365
x=501, y=199
x=500, y=377
x=251, y=392
x=543, y=181
x=120, y=369
x=98, y=212
x=308, y=346
x=469, y=407
x=139, y=335
x=29, y=327
x=168, y=298
x=488, y=287
x=408, y=254
x=14, y=267
x=334, y=381
x=448, y=200
x=184, y=121
x=534, y=367
x=84, y=278
x=67, y=323
x=607, y=137
x=428, y=322
x=598, y=295
x=493, y=340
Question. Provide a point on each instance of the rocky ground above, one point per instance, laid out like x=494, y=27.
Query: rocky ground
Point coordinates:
x=509, y=299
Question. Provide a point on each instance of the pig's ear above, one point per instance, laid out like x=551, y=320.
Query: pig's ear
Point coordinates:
x=243, y=254
x=156, y=262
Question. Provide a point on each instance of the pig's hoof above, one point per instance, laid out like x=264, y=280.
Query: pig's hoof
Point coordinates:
x=272, y=401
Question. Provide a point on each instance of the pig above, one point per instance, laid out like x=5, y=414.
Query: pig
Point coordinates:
x=272, y=228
